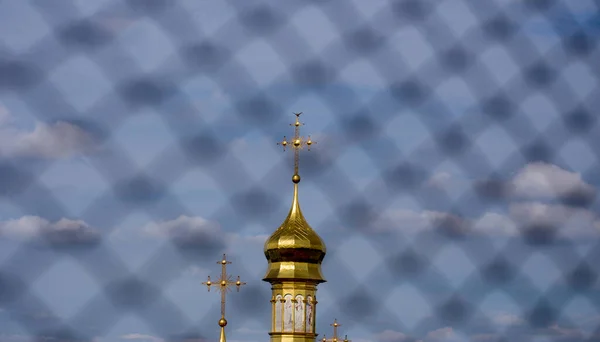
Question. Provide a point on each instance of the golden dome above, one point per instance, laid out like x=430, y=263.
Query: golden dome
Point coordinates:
x=295, y=250
x=295, y=232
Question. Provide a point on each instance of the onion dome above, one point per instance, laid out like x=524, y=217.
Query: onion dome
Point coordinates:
x=295, y=250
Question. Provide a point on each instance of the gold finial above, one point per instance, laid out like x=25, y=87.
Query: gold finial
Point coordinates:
x=297, y=144
x=224, y=283
x=335, y=325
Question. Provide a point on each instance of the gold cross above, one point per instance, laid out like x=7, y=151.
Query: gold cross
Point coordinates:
x=297, y=144
x=335, y=325
x=224, y=283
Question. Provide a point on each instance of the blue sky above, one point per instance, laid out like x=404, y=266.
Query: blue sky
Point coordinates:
x=453, y=181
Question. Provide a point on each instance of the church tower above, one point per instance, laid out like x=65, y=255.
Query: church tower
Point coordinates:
x=294, y=253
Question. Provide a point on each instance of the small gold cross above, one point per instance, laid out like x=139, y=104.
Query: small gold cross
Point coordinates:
x=224, y=283
x=297, y=143
x=335, y=325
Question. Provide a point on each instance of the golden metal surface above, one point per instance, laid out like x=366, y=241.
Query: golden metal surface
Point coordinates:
x=295, y=232
x=222, y=335
x=224, y=284
x=294, y=270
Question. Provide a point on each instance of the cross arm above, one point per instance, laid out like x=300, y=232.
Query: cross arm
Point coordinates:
x=237, y=283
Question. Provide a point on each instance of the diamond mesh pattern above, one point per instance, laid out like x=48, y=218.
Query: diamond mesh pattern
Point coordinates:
x=401, y=89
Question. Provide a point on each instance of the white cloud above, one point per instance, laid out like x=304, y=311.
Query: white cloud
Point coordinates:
x=441, y=335
x=256, y=239
x=15, y=338
x=114, y=23
x=542, y=180
x=565, y=332
x=4, y=116
x=63, y=231
x=198, y=232
x=569, y=221
x=50, y=141
x=417, y=221
x=181, y=225
x=392, y=336
x=507, y=319
x=439, y=180
x=484, y=337
x=494, y=223
x=141, y=338
x=538, y=181
x=360, y=340
x=188, y=231
x=448, y=334
x=196, y=271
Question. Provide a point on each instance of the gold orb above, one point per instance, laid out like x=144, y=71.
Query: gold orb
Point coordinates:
x=297, y=142
x=309, y=142
x=223, y=283
x=209, y=283
x=222, y=322
x=284, y=143
x=238, y=283
x=297, y=124
x=296, y=178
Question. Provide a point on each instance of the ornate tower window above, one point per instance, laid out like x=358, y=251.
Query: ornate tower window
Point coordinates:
x=278, y=313
x=309, y=314
x=288, y=313
x=299, y=314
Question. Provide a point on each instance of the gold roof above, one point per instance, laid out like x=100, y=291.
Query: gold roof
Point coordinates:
x=295, y=232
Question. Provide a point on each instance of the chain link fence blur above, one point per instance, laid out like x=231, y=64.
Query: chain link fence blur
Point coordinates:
x=494, y=86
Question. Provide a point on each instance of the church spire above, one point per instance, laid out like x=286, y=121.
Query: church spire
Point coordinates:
x=224, y=284
x=295, y=241
x=294, y=253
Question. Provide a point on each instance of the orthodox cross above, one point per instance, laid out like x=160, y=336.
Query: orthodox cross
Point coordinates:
x=297, y=143
x=224, y=283
x=335, y=325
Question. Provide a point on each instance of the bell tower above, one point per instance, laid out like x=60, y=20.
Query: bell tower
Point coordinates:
x=294, y=253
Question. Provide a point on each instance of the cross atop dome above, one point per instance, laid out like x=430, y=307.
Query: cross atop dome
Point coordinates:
x=297, y=143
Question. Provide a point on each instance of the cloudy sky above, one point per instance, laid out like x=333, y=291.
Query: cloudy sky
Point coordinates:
x=454, y=180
